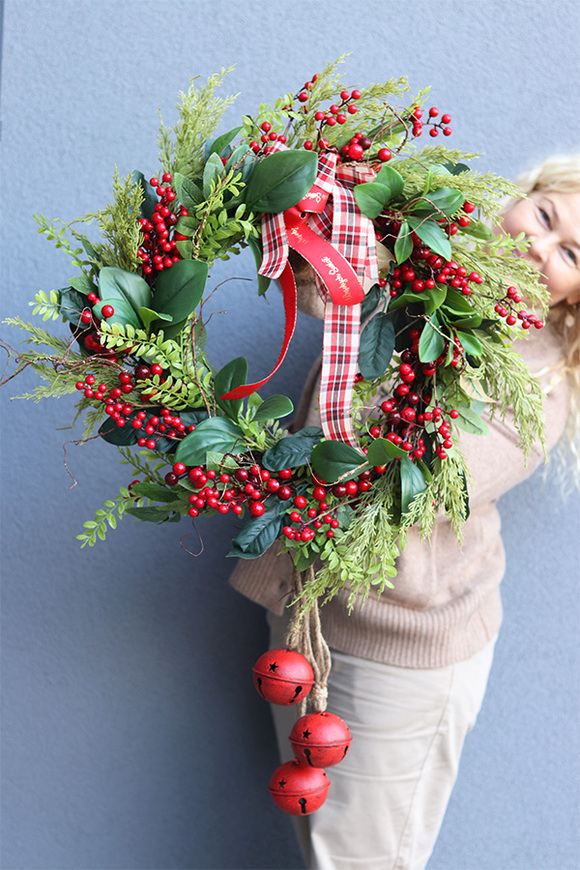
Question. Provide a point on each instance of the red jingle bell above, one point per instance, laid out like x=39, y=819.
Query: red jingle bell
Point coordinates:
x=320, y=739
x=283, y=676
x=298, y=789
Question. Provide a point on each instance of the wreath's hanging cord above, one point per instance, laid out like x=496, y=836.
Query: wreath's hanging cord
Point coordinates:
x=305, y=635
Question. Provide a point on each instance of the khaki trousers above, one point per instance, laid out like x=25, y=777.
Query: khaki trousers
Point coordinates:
x=388, y=796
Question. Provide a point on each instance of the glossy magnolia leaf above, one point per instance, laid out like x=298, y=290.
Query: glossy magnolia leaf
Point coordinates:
x=412, y=483
x=178, y=290
x=273, y=408
x=188, y=193
x=471, y=344
x=470, y=421
x=433, y=236
x=233, y=375
x=212, y=173
x=293, y=450
x=371, y=198
x=405, y=299
x=377, y=343
x=381, y=451
x=431, y=343
x=469, y=322
x=389, y=176
x=147, y=316
x=255, y=246
x=260, y=532
x=433, y=298
x=445, y=199
x=281, y=180
x=404, y=243
x=117, y=283
x=220, y=144
x=333, y=461
x=370, y=302
x=154, y=491
x=120, y=436
x=124, y=313
x=71, y=305
x=150, y=199
x=217, y=434
x=456, y=168
x=153, y=513
x=457, y=303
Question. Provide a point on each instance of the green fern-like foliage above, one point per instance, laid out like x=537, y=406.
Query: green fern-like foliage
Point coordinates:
x=181, y=148
x=119, y=226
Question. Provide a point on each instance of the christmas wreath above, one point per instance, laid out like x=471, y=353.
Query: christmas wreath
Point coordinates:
x=422, y=301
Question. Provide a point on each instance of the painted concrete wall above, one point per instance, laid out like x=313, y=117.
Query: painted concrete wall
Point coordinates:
x=131, y=736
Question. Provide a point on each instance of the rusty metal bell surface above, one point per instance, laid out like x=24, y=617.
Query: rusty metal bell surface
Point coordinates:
x=320, y=739
x=283, y=676
x=298, y=789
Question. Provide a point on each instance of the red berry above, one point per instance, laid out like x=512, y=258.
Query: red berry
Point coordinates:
x=256, y=508
x=384, y=154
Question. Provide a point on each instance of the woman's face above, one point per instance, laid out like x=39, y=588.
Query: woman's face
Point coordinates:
x=551, y=223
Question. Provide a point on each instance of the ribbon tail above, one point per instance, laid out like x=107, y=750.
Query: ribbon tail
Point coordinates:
x=290, y=311
x=339, y=367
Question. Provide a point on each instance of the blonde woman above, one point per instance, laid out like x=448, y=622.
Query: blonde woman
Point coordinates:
x=410, y=668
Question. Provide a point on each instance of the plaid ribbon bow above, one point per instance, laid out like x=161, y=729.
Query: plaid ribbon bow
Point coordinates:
x=334, y=217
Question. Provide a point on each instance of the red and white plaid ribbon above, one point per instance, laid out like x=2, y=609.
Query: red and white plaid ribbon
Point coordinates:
x=335, y=217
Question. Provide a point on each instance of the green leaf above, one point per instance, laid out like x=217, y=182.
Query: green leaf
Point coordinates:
x=117, y=283
x=445, y=199
x=479, y=231
x=237, y=160
x=71, y=305
x=273, y=408
x=293, y=450
x=412, y=483
x=121, y=436
x=151, y=514
x=434, y=298
x=404, y=243
x=212, y=172
x=154, y=491
x=470, y=421
x=233, y=375
x=178, y=290
x=147, y=316
x=83, y=284
x=456, y=168
x=255, y=246
x=260, y=533
x=371, y=198
x=304, y=558
x=370, y=302
x=457, y=303
x=124, y=314
x=471, y=344
x=377, y=343
x=217, y=434
x=335, y=461
x=220, y=144
x=150, y=199
x=432, y=235
x=431, y=343
x=381, y=451
x=281, y=180
x=389, y=176
x=188, y=193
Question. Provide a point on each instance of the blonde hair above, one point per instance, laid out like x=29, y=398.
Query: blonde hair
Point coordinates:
x=562, y=175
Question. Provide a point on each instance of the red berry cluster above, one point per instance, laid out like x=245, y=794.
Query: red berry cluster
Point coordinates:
x=158, y=251
x=89, y=320
x=434, y=126
x=358, y=145
x=506, y=308
x=424, y=270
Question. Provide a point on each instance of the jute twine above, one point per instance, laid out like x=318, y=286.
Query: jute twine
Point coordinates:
x=305, y=635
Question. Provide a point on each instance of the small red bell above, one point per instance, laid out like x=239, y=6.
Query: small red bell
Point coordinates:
x=283, y=676
x=320, y=739
x=298, y=789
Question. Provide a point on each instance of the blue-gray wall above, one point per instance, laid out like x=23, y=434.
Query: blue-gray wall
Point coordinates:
x=131, y=735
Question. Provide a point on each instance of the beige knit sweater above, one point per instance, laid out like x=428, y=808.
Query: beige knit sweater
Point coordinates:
x=446, y=602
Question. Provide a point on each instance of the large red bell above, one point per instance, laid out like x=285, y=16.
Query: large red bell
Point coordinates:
x=320, y=739
x=298, y=789
x=283, y=676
